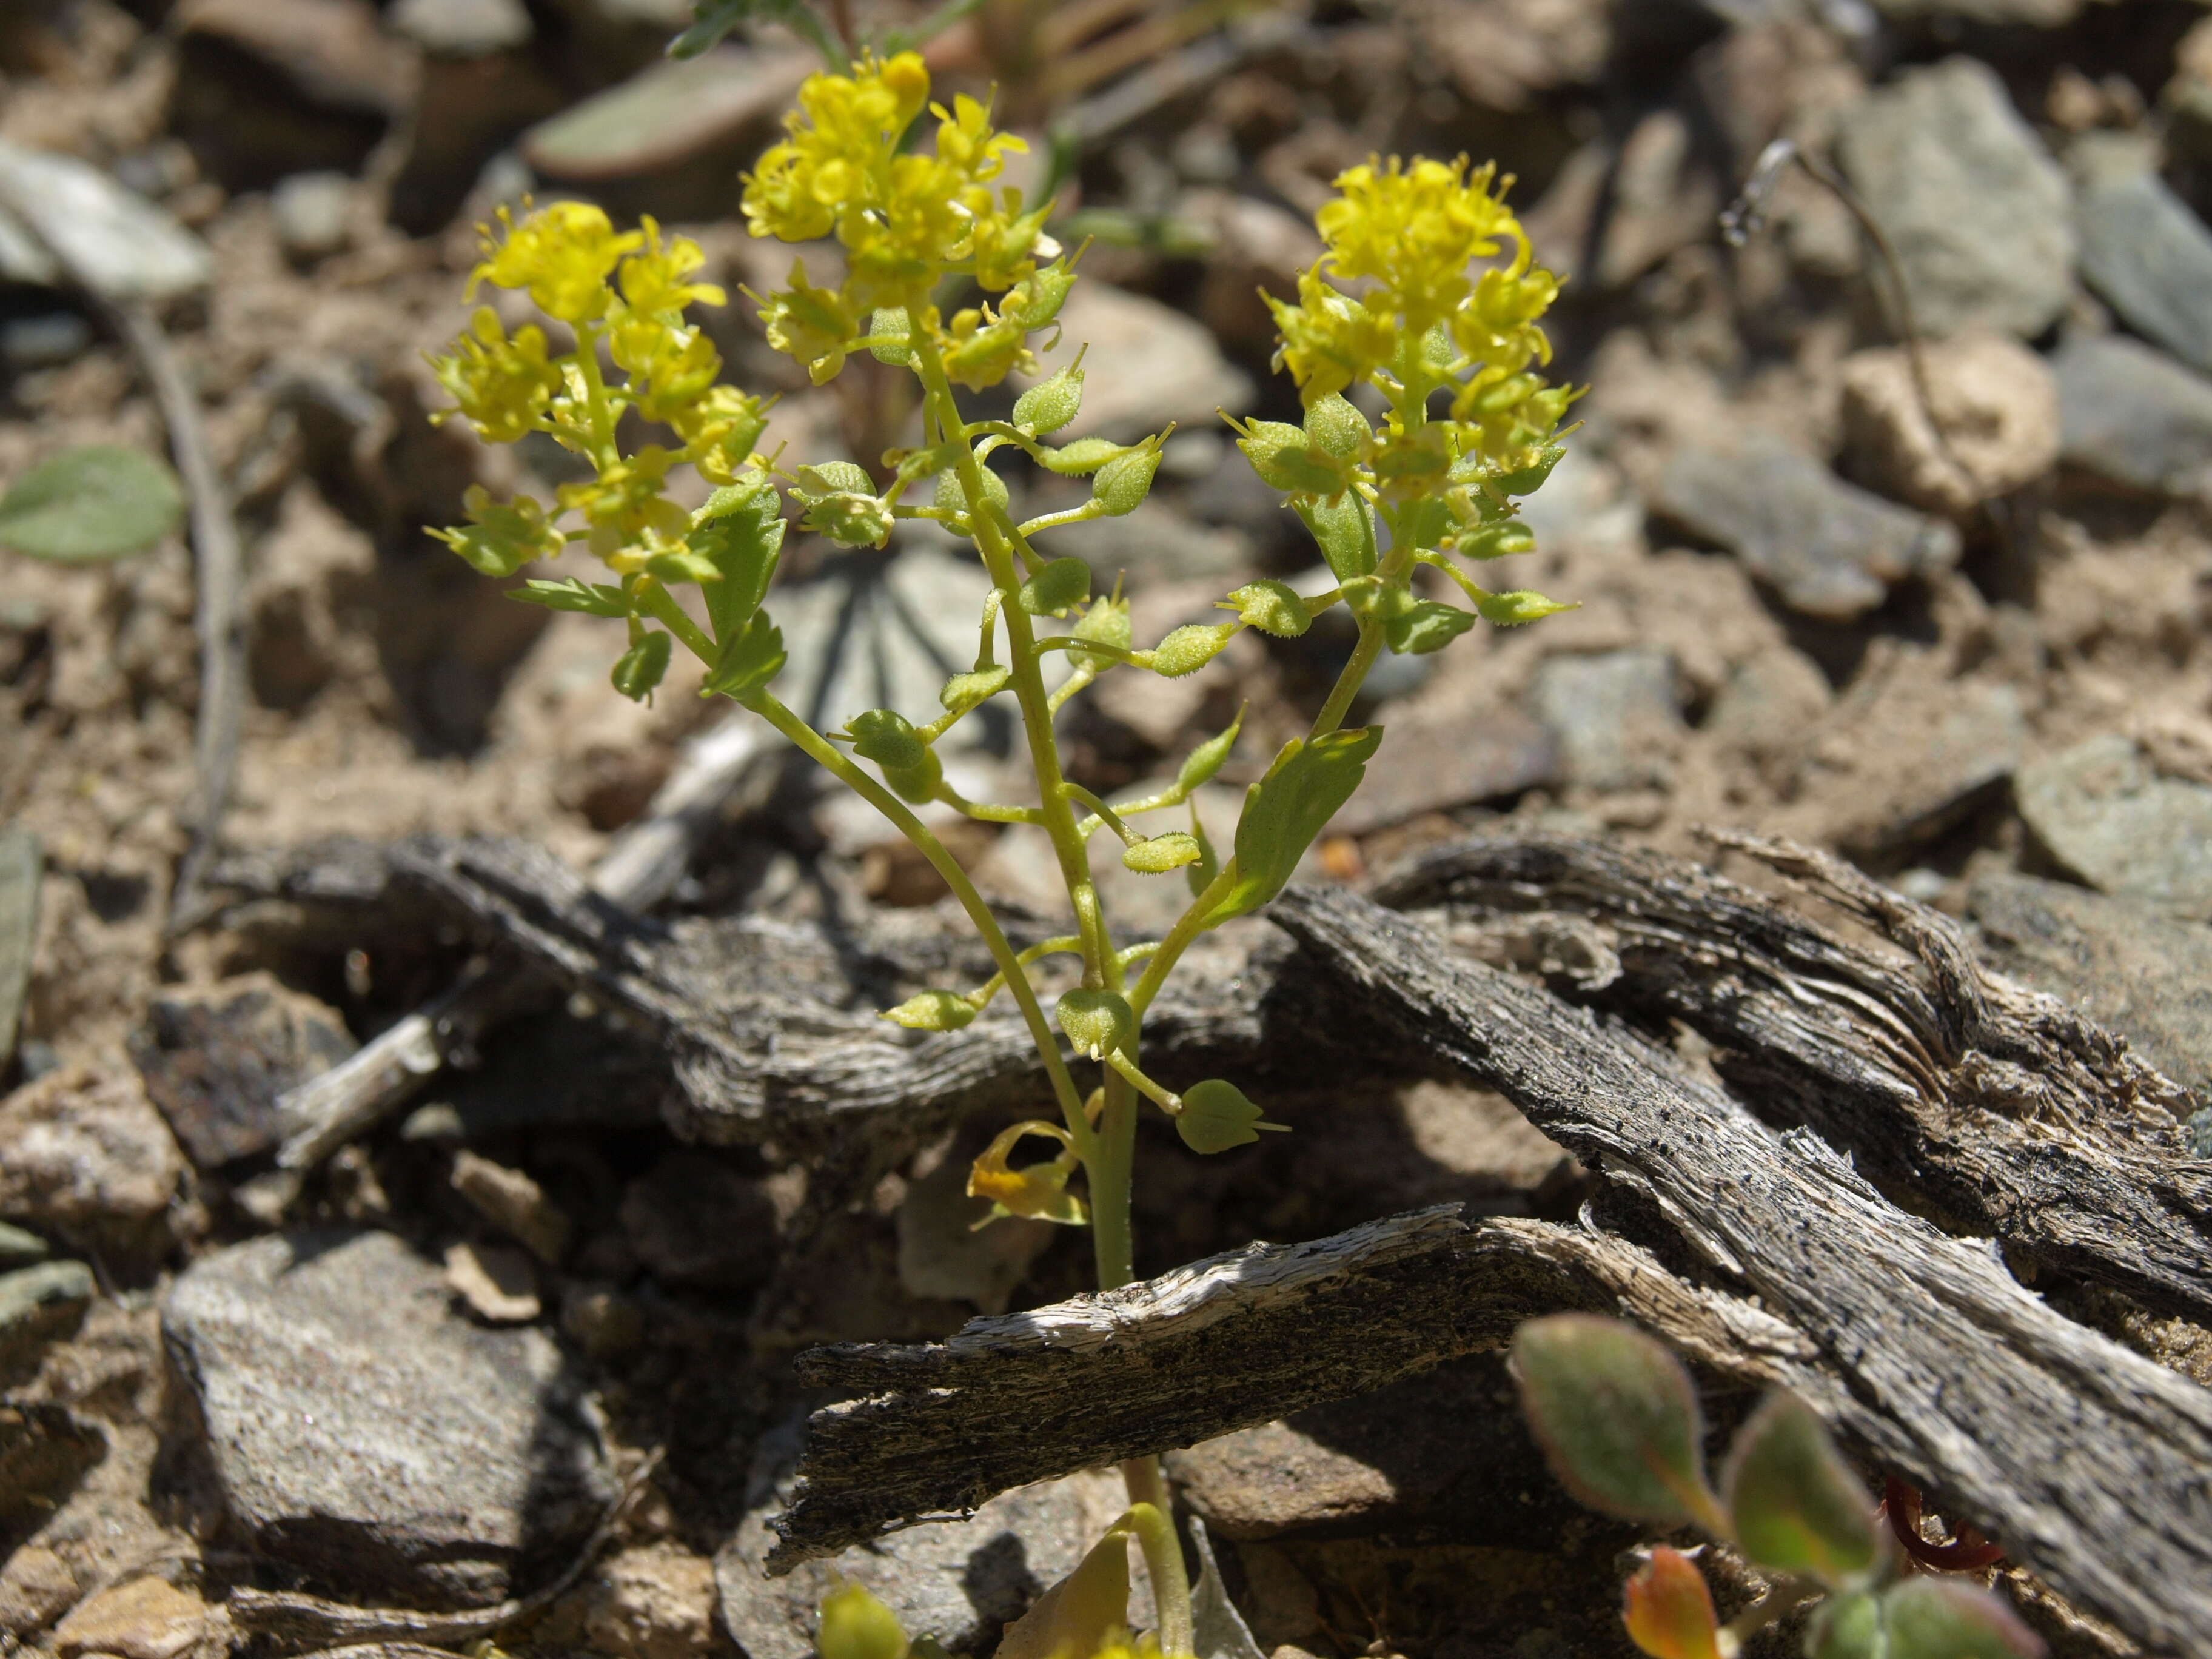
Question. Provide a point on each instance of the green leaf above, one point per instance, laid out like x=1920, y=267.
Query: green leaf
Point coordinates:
x=1425, y=626
x=681, y=565
x=1273, y=607
x=750, y=662
x=1060, y=585
x=1341, y=530
x=1848, y=1627
x=595, y=598
x=1796, y=1506
x=1098, y=1023
x=1617, y=1418
x=1940, y=1619
x=744, y=540
x=88, y=505
x=1202, y=763
x=1669, y=1610
x=640, y=669
x=711, y=21
x=1286, y=809
x=1512, y=610
x=1171, y=849
x=1216, y=1116
x=1201, y=875
x=932, y=1010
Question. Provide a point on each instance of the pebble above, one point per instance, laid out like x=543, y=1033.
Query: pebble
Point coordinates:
x=2143, y=252
x=39, y=1305
x=1996, y=403
x=36, y=1586
x=21, y=863
x=313, y=214
x=462, y=28
x=656, y=1601
x=145, y=1619
x=2108, y=818
x=2134, y=418
x=1830, y=550
x=1972, y=736
x=515, y=1204
x=668, y=115
x=498, y=1282
x=214, y=1059
x=365, y=1436
x=1147, y=365
x=1616, y=716
x=42, y=341
x=1434, y=761
x=1975, y=208
x=85, y=1157
x=121, y=244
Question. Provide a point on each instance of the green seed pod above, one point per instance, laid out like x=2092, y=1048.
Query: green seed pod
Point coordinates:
x=1050, y=404
x=1060, y=585
x=888, y=331
x=1124, y=483
x=1273, y=607
x=1098, y=1023
x=916, y=785
x=639, y=668
x=1216, y=1116
x=1498, y=540
x=952, y=496
x=1083, y=455
x=832, y=478
x=856, y=1625
x=1427, y=625
x=1337, y=429
x=1108, y=622
x=1284, y=459
x=887, y=737
x=965, y=691
x=1190, y=649
x=1203, y=762
x=1512, y=610
x=932, y=1010
x=1035, y=301
x=1169, y=850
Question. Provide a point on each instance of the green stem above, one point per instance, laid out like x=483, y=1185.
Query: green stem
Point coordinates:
x=1107, y=1166
x=1156, y=1536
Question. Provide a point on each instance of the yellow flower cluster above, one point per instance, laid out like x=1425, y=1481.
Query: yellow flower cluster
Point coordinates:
x=626, y=291
x=904, y=220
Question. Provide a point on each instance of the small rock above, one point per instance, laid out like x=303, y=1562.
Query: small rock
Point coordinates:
x=2126, y=964
x=498, y=1282
x=1617, y=716
x=361, y=1433
x=145, y=1619
x=1975, y=207
x=42, y=341
x=960, y=1582
x=1967, y=743
x=39, y=1305
x=85, y=1157
x=2104, y=814
x=19, y=1249
x=214, y=1059
x=313, y=214
x=694, y=1221
x=1996, y=403
x=1149, y=365
x=36, y=1586
x=2134, y=418
x=21, y=863
x=1830, y=549
x=1767, y=706
x=1433, y=762
x=512, y=1202
x=2143, y=252
x=122, y=244
x=462, y=28
x=653, y=1602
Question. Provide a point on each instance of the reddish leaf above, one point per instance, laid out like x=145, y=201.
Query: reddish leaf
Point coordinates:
x=1670, y=1611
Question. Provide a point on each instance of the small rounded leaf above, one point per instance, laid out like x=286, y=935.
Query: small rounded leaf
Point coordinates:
x=1216, y=1116
x=1050, y=404
x=1942, y=1619
x=932, y=1010
x=640, y=669
x=856, y=1625
x=964, y=692
x=1273, y=607
x=85, y=504
x=1189, y=648
x=1060, y=585
x=1124, y=482
x=1098, y=1023
x=887, y=737
x=1171, y=850
x=1669, y=1610
x=1617, y=1418
x=1797, y=1507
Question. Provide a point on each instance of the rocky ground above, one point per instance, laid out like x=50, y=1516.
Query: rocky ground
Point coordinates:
x=1971, y=656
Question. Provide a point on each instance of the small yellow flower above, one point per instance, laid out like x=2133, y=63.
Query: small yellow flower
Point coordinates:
x=814, y=325
x=563, y=253
x=1039, y=1191
x=502, y=385
x=652, y=281
x=981, y=350
x=501, y=537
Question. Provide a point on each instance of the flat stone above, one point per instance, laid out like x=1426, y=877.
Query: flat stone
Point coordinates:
x=120, y=243
x=668, y=114
x=1830, y=549
x=1969, y=738
x=463, y=28
x=2143, y=252
x=144, y=1619
x=1431, y=763
x=1975, y=208
x=85, y=1157
x=1147, y=365
x=2106, y=815
x=39, y=1305
x=21, y=863
x=362, y=1434
x=214, y=1059
x=1995, y=406
x=1616, y=715
x=961, y=1581
x=36, y=1586
x=2134, y=418
x=2128, y=965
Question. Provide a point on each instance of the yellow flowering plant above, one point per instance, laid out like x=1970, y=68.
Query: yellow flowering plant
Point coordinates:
x=1426, y=305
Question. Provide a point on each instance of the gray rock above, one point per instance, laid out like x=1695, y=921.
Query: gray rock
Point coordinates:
x=1431, y=763
x=1975, y=208
x=41, y=342
x=1996, y=407
x=85, y=1157
x=119, y=243
x=1829, y=548
x=2126, y=964
x=362, y=1433
x=2133, y=417
x=1617, y=716
x=21, y=863
x=215, y=1058
x=669, y=116
x=1963, y=750
x=462, y=28
x=38, y=1306
x=313, y=214
x=2109, y=819
x=959, y=1581
x=2143, y=252
x=44, y=1449
x=20, y=1248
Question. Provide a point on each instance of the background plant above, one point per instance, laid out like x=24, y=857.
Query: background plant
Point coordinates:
x=1619, y=1418
x=1427, y=302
